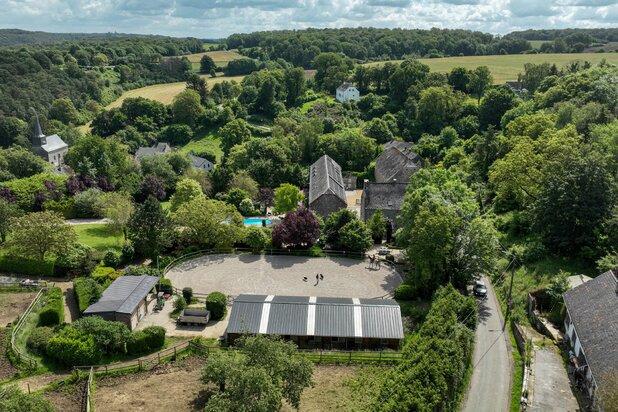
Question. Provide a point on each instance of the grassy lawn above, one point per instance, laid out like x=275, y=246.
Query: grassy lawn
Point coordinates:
x=308, y=105
x=507, y=67
x=206, y=140
x=98, y=237
x=166, y=92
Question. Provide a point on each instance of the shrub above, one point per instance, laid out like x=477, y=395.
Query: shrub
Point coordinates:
x=53, y=311
x=179, y=304
x=109, y=335
x=75, y=260
x=73, y=347
x=534, y=251
x=256, y=238
x=187, y=293
x=128, y=251
x=165, y=286
x=112, y=258
x=405, y=292
x=14, y=400
x=15, y=264
x=141, y=270
x=86, y=203
x=216, y=303
x=137, y=343
x=103, y=274
x=87, y=291
x=155, y=337
x=37, y=341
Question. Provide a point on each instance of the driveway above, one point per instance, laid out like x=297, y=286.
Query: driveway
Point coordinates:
x=283, y=275
x=551, y=390
x=490, y=385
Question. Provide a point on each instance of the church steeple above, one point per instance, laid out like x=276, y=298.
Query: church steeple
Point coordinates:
x=38, y=139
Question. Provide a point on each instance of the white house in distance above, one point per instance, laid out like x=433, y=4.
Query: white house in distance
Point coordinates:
x=201, y=163
x=51, y=148
x=347, y=91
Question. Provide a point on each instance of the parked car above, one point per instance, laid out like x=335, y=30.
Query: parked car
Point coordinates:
x=479, y=289
x=384, y=251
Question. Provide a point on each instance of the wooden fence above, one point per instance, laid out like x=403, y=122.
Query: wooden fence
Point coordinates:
x=23, y=358
x=88, y=399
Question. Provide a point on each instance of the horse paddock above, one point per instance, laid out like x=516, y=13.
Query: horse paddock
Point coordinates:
x=284, y=275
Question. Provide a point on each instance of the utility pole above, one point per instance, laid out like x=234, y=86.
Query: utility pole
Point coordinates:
x=509, y=302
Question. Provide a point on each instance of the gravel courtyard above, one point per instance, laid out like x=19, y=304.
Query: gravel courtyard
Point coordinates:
x=283, y=275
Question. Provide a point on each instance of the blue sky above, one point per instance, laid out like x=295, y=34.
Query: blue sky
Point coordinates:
x=219, y=18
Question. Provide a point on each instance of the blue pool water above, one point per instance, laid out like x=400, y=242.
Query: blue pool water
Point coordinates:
x=255, y=221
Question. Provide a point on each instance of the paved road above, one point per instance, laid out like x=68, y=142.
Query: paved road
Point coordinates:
x=490, y=385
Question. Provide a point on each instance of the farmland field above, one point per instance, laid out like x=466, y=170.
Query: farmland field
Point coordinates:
x=206, y=141
x=507, y=67
x=166, y=92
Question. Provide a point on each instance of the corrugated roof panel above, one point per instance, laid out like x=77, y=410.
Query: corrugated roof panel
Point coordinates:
x=245, y=317
x=334, y=320
x=382, y=322
x=288, y=319
x=291, y=299
x=250, y=298
x=379, y=302
x=345, y=301
x=124, y=294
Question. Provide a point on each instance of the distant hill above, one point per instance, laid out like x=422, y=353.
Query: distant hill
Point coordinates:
x=608, y=35
x=17, y=37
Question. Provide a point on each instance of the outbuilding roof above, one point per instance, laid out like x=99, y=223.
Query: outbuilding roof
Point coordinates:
x=397, y=162
x=325, y=178
x=316, y=316
x=385, y=196
x=124, y=295
x=593, y=308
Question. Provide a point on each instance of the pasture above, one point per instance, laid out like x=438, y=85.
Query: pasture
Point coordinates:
x=166, y=92
x=206, y=141
x=220, y=57
x=507, y=67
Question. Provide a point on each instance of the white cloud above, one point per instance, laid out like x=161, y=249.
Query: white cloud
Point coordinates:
x=219, y=18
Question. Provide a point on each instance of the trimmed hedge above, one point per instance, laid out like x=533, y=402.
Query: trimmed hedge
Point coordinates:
x=187, y=293
x=165, y=286
x=103, y=274
x=144, y=341
x=216, y=303
x=53, y=311
x=15, y=264
x=73, y=347
x=405, y=292
x=87, y=291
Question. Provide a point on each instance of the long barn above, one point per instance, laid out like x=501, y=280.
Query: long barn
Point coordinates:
x=319, y=322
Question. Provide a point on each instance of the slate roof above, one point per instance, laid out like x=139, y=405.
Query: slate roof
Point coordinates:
x=397, y=161
x=198, y=162
x=124, y=295
x=593, y=307
x=325, y=178
x=385, y=196
x=160, y=148
x=344, y=86
x=316, y=316
x=54, y=142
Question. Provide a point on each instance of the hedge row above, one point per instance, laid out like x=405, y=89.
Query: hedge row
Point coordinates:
x=216, y=303
x=15, y=264
x=87, y=291
x=53, y=311
x=432, y=375
x=144, y=341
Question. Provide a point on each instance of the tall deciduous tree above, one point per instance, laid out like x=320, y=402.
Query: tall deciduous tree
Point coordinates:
x=377, y=226
x=186, y=107
x=355, y=236
x=117, y=207
x=234, y=133
x=480, y=80
x=207, y=64
x=148, y=228
x=186, y=191
x=37, y=234
x=287, y=198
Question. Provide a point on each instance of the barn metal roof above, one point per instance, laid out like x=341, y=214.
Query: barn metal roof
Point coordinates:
x=124, y=295
x=316, y=316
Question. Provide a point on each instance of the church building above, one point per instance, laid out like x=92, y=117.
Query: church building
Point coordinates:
x=51, y=148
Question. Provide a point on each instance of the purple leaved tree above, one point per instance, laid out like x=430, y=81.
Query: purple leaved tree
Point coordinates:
x=297, y=229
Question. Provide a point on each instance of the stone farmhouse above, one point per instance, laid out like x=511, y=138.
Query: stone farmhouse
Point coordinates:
x=397, y=163
x=326, y=187
x=347, y=91
x=51, y=148
x=385, y=196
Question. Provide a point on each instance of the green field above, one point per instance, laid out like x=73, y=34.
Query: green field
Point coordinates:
x=507, y=67
x=98, y=236
x=205, y=141
x=166, y=92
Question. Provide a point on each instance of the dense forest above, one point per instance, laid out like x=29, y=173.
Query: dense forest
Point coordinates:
x=600, y=35
x=302, y=46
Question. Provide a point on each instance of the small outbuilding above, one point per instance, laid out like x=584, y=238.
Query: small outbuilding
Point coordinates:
x=326, y=187
x=125, y=300
x=319, y=322
x=347, y=91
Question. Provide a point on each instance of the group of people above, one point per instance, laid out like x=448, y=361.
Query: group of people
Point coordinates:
x=374, y=261
x=318, y=278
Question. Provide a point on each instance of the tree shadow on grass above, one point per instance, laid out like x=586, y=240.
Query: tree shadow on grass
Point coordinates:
x=202, y=398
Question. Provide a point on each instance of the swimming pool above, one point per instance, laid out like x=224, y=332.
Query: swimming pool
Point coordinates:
x=255, y=221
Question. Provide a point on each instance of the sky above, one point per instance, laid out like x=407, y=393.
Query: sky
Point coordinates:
x=220, y=18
